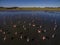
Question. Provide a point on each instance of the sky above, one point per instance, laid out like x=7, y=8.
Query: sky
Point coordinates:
x=29, y=3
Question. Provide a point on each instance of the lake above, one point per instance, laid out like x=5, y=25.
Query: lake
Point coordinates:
x=29, y=28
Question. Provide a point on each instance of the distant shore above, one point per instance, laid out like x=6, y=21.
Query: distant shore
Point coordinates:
x=33, y=9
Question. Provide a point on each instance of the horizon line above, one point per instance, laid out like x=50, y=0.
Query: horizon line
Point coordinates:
x=29, y=6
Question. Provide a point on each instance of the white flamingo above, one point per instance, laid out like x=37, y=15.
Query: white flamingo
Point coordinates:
x=0, y=30
x=15, y=33
x=5, y=38
x=45, y=30
x=21, y=37
x=39, y=31
x=40, y=26
x=14, y=26
x=29, y=24
x=4, y=32
x=24, y=28
x=33, y=25
x=53, y=35
x=27, y=39
x=43, y=37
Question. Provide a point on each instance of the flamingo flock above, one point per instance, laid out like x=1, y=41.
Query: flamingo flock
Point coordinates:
x=37, y=28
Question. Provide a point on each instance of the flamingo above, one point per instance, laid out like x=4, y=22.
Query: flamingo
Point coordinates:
x=27, y=39
x=0, y=30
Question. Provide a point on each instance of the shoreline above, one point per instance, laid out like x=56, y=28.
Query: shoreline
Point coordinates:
x=31, y=9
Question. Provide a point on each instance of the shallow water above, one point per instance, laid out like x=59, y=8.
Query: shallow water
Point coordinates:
x=26, y=25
